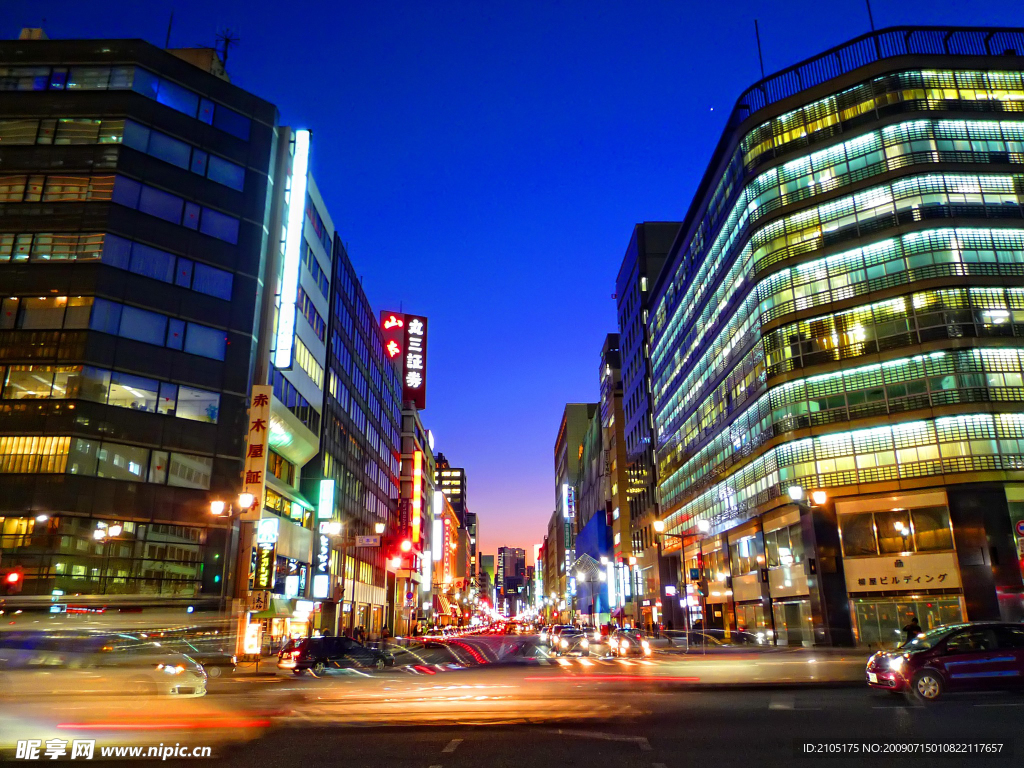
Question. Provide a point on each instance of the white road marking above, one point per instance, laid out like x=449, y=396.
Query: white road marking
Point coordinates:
x=452, y=746
x=644, y=744
x=1003, y=704
x=781, y=702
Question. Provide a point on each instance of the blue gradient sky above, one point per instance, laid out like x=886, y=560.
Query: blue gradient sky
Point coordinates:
x=486, y=162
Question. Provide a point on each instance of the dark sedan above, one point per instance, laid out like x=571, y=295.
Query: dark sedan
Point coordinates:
x=978, y=656
x=319, y=654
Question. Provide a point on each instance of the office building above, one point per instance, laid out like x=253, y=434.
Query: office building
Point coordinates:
x=641, y=265
x=133, y=244
x=361, y=445
x=452, y=481
x=836, y=374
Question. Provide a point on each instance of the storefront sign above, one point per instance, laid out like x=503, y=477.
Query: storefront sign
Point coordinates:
x=267, y=530
x=325, y=509
x=259, y=601
x=905, y=573
x=255, y=465
x=322, y=565
x=367, y=541
x=416, y=505
x=266, y=562
x=253, y=641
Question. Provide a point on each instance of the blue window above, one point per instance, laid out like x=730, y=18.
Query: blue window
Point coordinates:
x=183, y=276
x=206, y=111
x=135, y=136
x=231, y=122
x=169, y=150
x=146, y=83
x=161, y=204
x=199, y=162
x=175, y=333
x=219, y=225
x=191, y=219
x=152, y=262
x=106, y=316
x=226, y=173
x=178, y=98
x=126, y=192
x=212, y=281
x=142, y=325
x=116, y=251
x=206, y=342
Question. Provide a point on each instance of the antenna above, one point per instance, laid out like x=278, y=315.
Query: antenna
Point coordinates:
x=871, y=18
x=760, y=58
x=170, y=23
x=225, y=39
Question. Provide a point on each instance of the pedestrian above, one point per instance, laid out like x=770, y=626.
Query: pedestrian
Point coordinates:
x=384, y=635
x=913, y=629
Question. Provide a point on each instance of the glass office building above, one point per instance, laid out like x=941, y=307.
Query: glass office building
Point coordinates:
x=842, y=313
x=132, y=237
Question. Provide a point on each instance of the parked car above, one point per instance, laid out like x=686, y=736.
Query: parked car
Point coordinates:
x=74, y=663
x=319, y=654
x=975, y=656
x=628, y=642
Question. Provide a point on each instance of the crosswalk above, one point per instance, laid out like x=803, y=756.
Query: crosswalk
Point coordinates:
x=594, y=661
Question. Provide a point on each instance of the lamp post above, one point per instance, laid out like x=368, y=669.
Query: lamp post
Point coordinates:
x=703, y=527
x=825, y=580
x=231, y=513
x=105, y=534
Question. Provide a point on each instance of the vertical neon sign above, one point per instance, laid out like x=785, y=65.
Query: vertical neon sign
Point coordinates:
x=292, y=252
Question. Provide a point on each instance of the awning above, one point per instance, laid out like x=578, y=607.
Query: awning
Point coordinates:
x=442, y=605
x=457, y=608
x=279, y=608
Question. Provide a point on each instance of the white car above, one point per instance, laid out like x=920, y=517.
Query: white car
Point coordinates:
x=64, y=663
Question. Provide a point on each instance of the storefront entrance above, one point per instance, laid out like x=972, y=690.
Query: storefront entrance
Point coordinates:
x=793, y=623
x=879, y=623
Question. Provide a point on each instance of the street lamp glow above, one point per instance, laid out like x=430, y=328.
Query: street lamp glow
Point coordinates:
x=659, y=526
x=246, y=500
x=42, y=518
x=378, y=528
x=217, y=508
x=703, y=526
x=796, y=493
x=333, y=528
x=819, y=497
x=114, y=530
x=99, y=534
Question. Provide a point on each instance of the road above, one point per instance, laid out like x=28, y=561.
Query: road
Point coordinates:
x=529, y=710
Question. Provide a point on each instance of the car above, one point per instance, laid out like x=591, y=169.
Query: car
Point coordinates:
x=207, y=650
x=973, y=656
x=105, y=663
x=555, y=631
x=319, y=654
x=572, y=640
x=628, y=642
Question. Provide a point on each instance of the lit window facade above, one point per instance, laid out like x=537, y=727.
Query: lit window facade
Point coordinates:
x=840, y=312
x=132, y=235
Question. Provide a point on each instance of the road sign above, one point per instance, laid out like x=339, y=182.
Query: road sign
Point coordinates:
x=367, y=541
x=258, y=601
x=1020, y=527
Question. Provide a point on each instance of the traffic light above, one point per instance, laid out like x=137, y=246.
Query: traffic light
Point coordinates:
x=406, y=545
x=13, y=580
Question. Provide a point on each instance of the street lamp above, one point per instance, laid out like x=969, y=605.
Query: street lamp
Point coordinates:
x=703, y=528
x=378, y=528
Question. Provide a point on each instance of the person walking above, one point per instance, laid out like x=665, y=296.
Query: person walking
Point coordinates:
x=912, y=630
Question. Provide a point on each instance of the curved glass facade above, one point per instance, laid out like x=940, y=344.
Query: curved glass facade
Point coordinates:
x=852, y=262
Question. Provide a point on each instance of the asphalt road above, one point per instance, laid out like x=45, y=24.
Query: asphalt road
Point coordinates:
x=531, y=710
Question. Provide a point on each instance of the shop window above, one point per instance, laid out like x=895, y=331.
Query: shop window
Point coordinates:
x=281, y=468
x=82, y=457
x=42, y=313
x=858, y=534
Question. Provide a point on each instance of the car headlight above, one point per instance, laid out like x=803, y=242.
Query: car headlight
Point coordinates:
x=171, y=669
x=597, y=636
x=584, y=643
x=565, y=643
x=896, y=664
x=624, y=645
x=645, y=645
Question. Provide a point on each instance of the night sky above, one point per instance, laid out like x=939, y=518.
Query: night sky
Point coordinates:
x=485, y=162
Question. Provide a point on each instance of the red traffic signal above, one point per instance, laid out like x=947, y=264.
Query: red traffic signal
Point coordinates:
x=406, y=545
